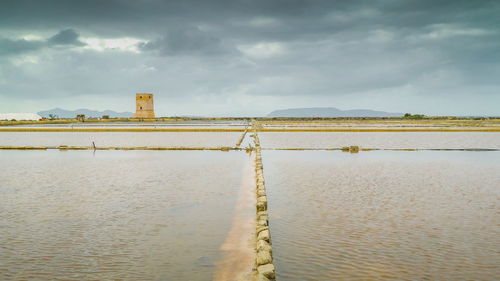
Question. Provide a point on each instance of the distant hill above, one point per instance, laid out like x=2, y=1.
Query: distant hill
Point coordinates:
x=63, y=113
x=330, y=112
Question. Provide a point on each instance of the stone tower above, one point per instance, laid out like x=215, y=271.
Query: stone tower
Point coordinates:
x=144, y=107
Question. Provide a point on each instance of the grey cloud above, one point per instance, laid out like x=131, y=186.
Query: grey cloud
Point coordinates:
x=300, y=17
x=14, y=47
x=66, y=37
x=184, y=41
x=329, y=50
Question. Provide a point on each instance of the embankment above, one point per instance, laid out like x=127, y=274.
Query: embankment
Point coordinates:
x=264, y=258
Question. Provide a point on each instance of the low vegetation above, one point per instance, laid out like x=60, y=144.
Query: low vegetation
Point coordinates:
x=413, y=116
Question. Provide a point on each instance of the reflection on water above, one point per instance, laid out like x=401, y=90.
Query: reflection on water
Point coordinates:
x=429, y=140
x=384, y=215
x=115, y=215
x=155, y=139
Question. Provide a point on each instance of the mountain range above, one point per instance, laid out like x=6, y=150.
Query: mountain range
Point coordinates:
x=63, y=113
x=291, y=112
x=330, y=112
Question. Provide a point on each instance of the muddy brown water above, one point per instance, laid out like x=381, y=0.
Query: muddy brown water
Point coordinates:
x=117, y=215
x=384, y=215
x=184, y=215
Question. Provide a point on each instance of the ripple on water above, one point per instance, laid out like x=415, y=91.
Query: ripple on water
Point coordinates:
x=384, y=215
x=386, y=140
x=115, y=215
x=120, y=139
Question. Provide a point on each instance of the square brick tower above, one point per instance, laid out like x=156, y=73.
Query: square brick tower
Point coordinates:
x=144, y=107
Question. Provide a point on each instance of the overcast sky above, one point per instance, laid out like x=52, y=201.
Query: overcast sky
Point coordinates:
x=249, y=57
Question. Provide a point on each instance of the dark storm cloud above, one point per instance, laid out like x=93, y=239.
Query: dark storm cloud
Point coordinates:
x=14, y=47
x=264, y=49
x=184, y=41
x=229, y=20
x=65, y=37
x=301, y=16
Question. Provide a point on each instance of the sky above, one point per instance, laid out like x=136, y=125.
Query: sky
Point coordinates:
x=250, y=57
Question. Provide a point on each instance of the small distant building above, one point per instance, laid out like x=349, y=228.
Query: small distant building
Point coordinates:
x=105, y=117
x=144, y=106
x=20, y=116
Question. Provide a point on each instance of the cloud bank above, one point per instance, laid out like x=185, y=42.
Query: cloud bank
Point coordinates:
x=251, y=57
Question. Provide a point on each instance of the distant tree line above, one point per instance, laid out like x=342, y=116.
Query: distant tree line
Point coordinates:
x=413, y=116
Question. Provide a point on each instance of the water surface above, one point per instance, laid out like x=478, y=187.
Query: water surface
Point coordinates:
x=422, y=140
x=135, y=125
x=123, y=139
x=427, y=215
x=116, y=215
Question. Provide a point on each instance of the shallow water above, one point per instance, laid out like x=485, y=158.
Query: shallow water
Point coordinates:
x=378, y=215
x=378, y=127
x=101, y=139
x=156, y=124
x=116, y=215
x=381, y=124
x=421, y=140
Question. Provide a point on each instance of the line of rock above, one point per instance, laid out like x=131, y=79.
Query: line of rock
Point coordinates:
x=264, y=257
x=242, y=137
